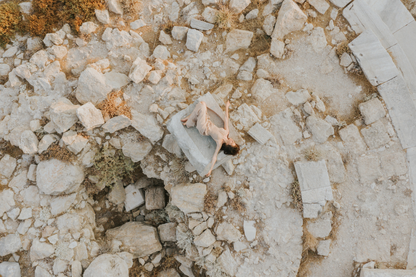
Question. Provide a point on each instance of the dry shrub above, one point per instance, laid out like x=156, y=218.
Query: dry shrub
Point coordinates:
x=167, y=27
x=225, y=18
x=111, y=165
x=115, y=105
x=238, y=205
x=131, y=8
x=342, y=48
x=296, y=196
x=59, y=153
x=166, y=263
x=210, y=202
x=10, y=22
x=312, y=154
x=52, y=14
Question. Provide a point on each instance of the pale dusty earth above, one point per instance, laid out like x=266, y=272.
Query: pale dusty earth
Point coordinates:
x=313, y=109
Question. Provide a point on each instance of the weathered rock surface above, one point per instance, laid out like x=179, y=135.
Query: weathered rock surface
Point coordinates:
x=147, y=126
x=90, y=116
x=107, y=265
x=290, y=18
x=10, y=244
x=136, y=238
x=63, y=114
x=40, y=250
x=7, y=166
x=189, y=197
x=238, y=39
x=55, y=177
x=92, y=87
x=10, y=269
x=193, y=39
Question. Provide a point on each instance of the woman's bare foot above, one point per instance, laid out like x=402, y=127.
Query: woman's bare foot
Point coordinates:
x=184, y=120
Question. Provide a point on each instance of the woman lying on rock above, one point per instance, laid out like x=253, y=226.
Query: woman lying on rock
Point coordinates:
x=200, y=118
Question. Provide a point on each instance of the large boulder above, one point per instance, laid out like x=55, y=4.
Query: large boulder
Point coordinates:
x=63, y=114
x=55, y=177
x=107, y=266
x=189, y=198
x=290, y=19
x=138, y=239
x=92, y=87
x=147, y=126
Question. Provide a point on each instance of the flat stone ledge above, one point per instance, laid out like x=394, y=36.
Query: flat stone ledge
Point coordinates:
x=365, y=272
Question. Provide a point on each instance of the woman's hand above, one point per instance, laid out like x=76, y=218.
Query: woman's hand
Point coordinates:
x=208, y=174
x=227, y=104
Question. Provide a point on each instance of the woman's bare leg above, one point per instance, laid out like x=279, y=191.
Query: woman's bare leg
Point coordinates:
x=184, y=120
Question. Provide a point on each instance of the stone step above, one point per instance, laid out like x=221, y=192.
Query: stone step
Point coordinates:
x=406, y=37
x=373, y=58
x=366, y=272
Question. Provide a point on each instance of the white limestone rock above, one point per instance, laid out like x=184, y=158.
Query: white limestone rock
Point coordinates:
x=26, y=7
x=201, y=25
x=7, y=166
x=189, y=197
x=237, y=6
x=10, y=269
x=116, y=123
x=210, y=15
x=4, y=69
x=61, y=204
x=155, y=198
x=298, y=97
x=323, y=247
x=137, y=150
x=154, y=77
x=117, y=194
x=238, y=39
x=45, y=142
x=249, y=230
x=290, y=18
x=372, y=110
x=206, y=239
x=63, y=114
x=90, y=116
x=114, y=6
x=103, y=16
x=352, y=139
x=40, y=250
x=134, y=197
x=260, y=134
x=252, y=14
x=161, y=52
x=340, y=3
x=320, y=5
x=137, y=24
x=107, y=265
x=194, y=39
x=228, y=263
x=317, y=39
x=10, y=244
x=321, y=228
x=277, y=48
x=262, y=89
x=147, y=126
x=319, y=128
x=88, y=28
x=52, y=39
x=284, y=128
x=55, y=177
x=92, y=87
x=167, y=232
x=29, y=142
x=165, y=38
x=136, y=238
x=139, y=70
x=179, y=32
x=171, y=145
x=375, y=136
x=34, y=44
x=10, y=52
x=345, y=59
x=75, y=142
x=226, y=231
x=268, y=24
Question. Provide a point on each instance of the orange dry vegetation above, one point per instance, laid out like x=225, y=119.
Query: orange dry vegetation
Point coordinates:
x=115, y=105
x=52, y=14
x=10, y=22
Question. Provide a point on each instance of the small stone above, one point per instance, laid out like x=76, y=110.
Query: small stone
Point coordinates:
x=249, y=230
x=161, y=52
x=290, y=18
x=92, y=87
x=189, y=197
x=345, y=59
x=88, y=28
x=206, y=239
x=237, y=6
x=139, y=70
x=29, y=142
x=137, y=24
x=201, y=25
x=154, y=77
x=165, y=38
x=10, y=244
x=323, y=247
x=277, y=48
x=44, y=144
x=103, y=16
x=7, y=166
x=107, y=265
x=210, y=15
x=226, y=231
x=114, y=6
x=238, y=39
x=372, y=110
x=268, y=24
x=321, y=228
x=90, y=116
x=62, y=204
x=63, y=114
x=75, y=142
x=10, y=52
x=134, y=197
x=40, y=250
x=227, y=263
x=167, y=232
x=320, y=5
x=252, y=14
x=194, y=39
x=299, y=97
x=179, y=32
x=375, y=136
x=319, y=128
x=11, y=269
x=147, y=126
x=155, y=198
x=116, y=123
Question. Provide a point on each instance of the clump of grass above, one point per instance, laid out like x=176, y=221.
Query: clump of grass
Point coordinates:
x=168, y=27
x=59, y=153
x=238, y=205
x=111, y=165
x=184, y=238
x=131, y=8
x=210, y=202
x=225, y=18
x=115, y=105
x=11, y=21
x=53, y=14
x=174, y=213
x=342, y=48
x=296, y=196
x=312, y=154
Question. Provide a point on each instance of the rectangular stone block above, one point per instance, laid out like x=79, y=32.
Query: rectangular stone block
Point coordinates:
x=406, y=37
x=402, y=110
x=197, y=148
x=312, y=175
x=375, y=61
x=260, y=134
x=366, y=272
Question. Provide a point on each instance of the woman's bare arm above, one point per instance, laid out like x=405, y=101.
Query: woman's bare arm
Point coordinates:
x=226, y=116
x=214, y=158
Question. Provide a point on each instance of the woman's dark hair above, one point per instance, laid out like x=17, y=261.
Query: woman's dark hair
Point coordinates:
x=230, y=150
